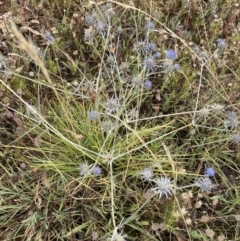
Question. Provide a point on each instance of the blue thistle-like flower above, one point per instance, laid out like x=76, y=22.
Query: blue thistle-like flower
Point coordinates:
x=171, y=54
x=176, y=67
x=157, y=55
x=151, y=47
x=49, y=36
x=205, y=184
x=150, y=25
x=147, y=84
x=150, y=63
x=89, y=20
x=100, y=27
x=97, y=171
x=236, y=139
x=93, y=115
x=164, y=186
x=112, y=104
x=147, y=174
x=232, y=121
x=221, y=43
x=232, y=115
x=209, y=172
x=95, y=16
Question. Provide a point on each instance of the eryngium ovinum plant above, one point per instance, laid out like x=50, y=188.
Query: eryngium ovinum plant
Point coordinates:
x=129, y=61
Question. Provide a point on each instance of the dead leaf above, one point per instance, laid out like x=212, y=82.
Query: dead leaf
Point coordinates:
x=3, y=26
x=75, y=135
x=185, y=197
x=156, y=109
x=19, y=69
x=155, y=226
x=204, y=219
x=24, y=3
x=112, y=49
x=35, y=21
x=38, y=141
x=93, y=96
x=34, y=170
x=163, y=226
x=44, y=180
x=95, y=235
x=198, y=204
x=158, y=96
x=221, y=238
x=210, y=233
x=237, y=217
x=215, y=202
x=37, y=198
x=6, y=15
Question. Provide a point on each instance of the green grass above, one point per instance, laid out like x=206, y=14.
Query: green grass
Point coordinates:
x=177, y=128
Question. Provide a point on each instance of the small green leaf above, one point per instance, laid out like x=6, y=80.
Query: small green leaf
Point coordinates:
x=195, y=234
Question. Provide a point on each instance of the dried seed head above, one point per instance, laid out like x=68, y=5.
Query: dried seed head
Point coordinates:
x=205, y=184
x=84, y=170
x=136, y=81
x=108, y=126
x=147, y=174
x=124, y=67
x=112, y=104
x=88, y=34
x=164, y=186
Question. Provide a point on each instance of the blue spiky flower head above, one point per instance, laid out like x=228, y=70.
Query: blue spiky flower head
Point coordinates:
x=147, y=84
x=221, y=43
x=157, y=55
x=93, y=115
x=149, y=63
x=100, y=27
x=89, y=20
x=151, y=47
x=49, y=36
x=176, y=67
x=209, y=172
x=171, y=54
x=236, y=139
x=150, y=25
x=97, y=170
